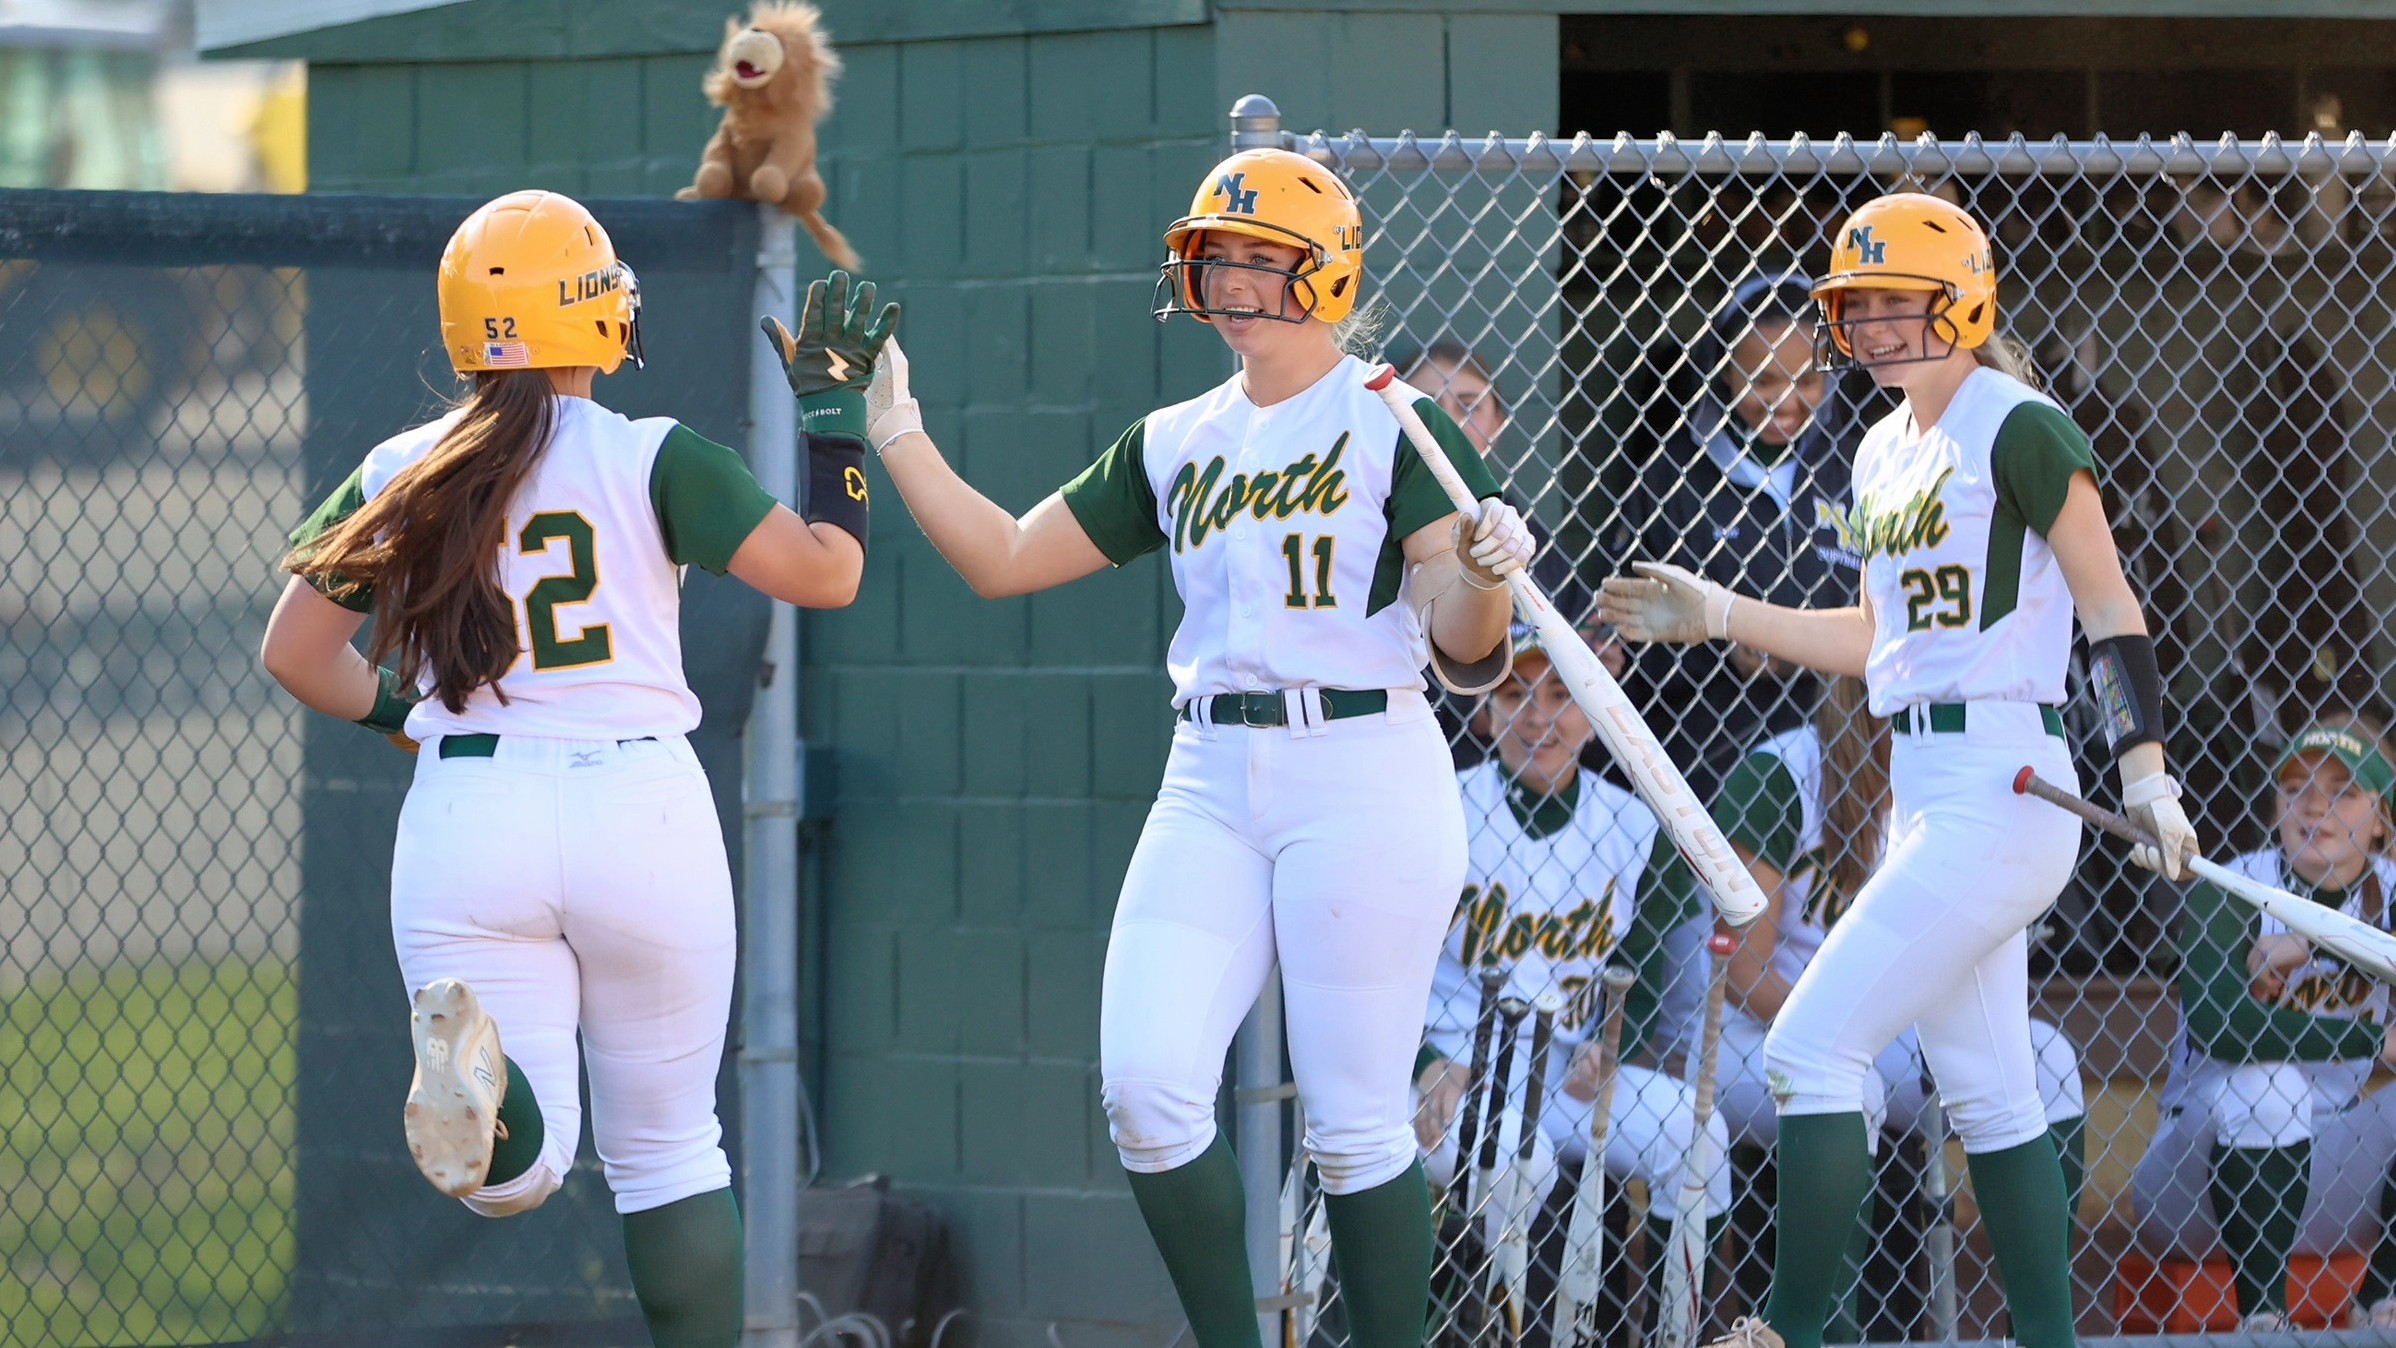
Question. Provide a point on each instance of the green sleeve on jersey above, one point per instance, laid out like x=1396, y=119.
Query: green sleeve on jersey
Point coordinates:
x=1415, y=496
x=2037, y=450
x=346, y=500
x=1761, y=809
x=707, y=502
x=1667, y=899
x=1114, y=500
x=2227, y=1025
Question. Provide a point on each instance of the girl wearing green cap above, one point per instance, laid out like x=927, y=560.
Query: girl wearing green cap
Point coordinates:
x=2267, y=1144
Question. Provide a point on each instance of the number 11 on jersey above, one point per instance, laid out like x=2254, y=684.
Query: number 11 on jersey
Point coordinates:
x=1293, y=547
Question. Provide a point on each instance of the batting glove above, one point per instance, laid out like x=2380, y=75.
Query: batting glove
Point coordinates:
x=830, y=359
x=1665, y=603
x=890, y=411
x=1499, y=545
x=2154, y=805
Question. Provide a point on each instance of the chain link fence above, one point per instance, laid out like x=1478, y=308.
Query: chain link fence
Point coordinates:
x=1616, y=321
x=203, y=1040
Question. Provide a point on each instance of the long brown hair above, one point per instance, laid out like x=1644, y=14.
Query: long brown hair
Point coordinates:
x=1855, y=785
x=427, y=546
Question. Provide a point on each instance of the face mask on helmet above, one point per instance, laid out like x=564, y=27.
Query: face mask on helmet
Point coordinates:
x=1835, y=346
x=632, y=329
x=1182, y=286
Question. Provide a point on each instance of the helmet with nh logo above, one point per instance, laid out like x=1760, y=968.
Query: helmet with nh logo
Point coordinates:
x=1913, y=241
x=530, y=281
x=1279, y=197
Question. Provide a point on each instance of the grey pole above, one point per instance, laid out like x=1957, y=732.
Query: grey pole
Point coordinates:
x=1256, y=123
x=1258, y=1100
x=769, y=1058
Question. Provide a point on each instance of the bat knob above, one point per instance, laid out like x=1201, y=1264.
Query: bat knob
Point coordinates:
x=1723, y=943
x=1380, y=377
x=1618, y=978
x=2022, y=780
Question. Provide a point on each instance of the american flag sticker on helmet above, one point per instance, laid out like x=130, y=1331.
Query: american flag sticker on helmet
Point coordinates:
x=506, y=355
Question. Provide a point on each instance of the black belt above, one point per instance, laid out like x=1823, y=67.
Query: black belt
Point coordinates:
x=1950, y=718
x=1266, y=709
x=487, y=746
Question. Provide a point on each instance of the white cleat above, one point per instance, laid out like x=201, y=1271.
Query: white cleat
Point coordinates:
x=461, y=1076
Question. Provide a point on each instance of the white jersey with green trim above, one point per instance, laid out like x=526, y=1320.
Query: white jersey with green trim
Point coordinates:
x=592, y=563
x=1550, y=909
x=1968, y=601
x=2325, y=985
x=1285, y=526
x=1801, y=921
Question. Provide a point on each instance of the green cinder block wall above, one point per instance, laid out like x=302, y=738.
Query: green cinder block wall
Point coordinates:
x=995, y=759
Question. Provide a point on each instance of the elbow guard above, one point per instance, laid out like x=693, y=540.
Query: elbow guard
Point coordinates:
x=2129, y=691
x=836, y=493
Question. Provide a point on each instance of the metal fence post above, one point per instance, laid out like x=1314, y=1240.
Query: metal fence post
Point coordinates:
x=769, y=1058
x=1256, y=123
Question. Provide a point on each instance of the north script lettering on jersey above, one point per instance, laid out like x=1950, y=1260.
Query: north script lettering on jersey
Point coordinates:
x=1202, y=502
x=1919, y=521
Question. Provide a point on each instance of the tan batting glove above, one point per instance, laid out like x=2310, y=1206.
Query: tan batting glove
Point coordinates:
x=1496, y=546
x=2153, y=802
x=890, y=409
x=1440, y=1091
x=1665, y=603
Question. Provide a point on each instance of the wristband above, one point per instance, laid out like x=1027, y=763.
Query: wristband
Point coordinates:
x=836, y=491
x=2129, y=691
x=393, y=701
x=1717, y=612
x=838, y=411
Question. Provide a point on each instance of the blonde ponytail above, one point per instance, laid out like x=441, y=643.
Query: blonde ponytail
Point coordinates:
x=2006, y=355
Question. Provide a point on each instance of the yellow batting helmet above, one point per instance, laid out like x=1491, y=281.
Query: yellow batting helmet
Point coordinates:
x=1914, y=241
x=530, y=281
x=1279, y=197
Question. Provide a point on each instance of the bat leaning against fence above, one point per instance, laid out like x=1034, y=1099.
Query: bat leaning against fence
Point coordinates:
x=1464, y=1256
x=1581, y=1274
x=1618, y=723
x=1682, y=1309
x=1514, y=1238
x=2359, y=944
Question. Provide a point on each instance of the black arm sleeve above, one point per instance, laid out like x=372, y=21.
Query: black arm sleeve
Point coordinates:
x=836, y=493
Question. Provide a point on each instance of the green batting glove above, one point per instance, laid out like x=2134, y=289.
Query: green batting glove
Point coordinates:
x=830, y=360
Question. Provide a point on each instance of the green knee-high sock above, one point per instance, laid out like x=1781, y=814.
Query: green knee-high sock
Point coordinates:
x=1825, y=1172
x=2071, y=1150
x=519, y=1145
x=1198, y=1215
x=2020, y=1193
x=686, y=1269
x=2379, y=1281
x=1381, y=1249
x=1845, y=1324
x=2258, y=1195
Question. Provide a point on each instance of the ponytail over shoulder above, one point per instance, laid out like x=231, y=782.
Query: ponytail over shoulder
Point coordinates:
x=428, y=545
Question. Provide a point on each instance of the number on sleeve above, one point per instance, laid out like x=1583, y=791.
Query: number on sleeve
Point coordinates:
x=549, y=650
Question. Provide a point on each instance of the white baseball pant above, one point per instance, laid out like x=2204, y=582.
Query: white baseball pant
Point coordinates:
x=2257, y=1105
x=1936, y=939
x=1336, y=849
x=581, y=886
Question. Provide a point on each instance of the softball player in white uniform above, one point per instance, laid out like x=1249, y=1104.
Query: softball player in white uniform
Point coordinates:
x=559, y=869
x=1567, y=873
x=1308, y=812
x=1978, y=518
x=2268, y=1144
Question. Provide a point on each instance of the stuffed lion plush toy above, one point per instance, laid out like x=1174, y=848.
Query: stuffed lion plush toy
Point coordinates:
x=773, y=79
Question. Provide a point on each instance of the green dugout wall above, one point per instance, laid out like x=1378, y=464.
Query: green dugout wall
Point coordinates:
x=1006, y=171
